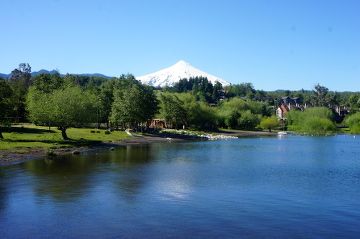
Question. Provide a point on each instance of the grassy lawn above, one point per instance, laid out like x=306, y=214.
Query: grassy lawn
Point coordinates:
x=27, y=136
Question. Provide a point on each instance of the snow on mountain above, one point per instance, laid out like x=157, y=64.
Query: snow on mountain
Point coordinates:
x=169, y=76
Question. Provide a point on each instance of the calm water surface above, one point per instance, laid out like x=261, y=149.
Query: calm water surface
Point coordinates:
x=291, y=187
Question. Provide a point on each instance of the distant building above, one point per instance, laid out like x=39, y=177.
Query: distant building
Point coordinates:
x=281, y=111
x=157, y=124
x=291, y=103
x=288, y=103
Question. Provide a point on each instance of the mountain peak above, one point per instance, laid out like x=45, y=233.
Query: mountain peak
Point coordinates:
x=173, y=74
x=182, y=63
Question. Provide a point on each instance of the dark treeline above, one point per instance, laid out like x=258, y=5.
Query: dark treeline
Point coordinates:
x=320, y=96
x=201, y=88
x=123, y=102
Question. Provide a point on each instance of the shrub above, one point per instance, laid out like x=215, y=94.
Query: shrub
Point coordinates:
x=269, y=123
x=353, y=122
x=317, y=121
x=248, y=120
x=318, y=126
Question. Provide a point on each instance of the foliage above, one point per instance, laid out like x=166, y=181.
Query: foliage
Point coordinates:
x=317, y=121
x=240, y=90
x=6, y=103
x=64, y=107
x=238, y=113
x=248, y=120
x=203, y=117
x=20, y=80
x=106, y=99
x=190, y=112
x=133, y=104
x=172, y=110
x=353, y=102
x=269, y=123
x=353, y=122
x=201, y=88
x=47, y=83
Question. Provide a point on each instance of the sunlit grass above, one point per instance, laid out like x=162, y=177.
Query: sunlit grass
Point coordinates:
x=27, y=136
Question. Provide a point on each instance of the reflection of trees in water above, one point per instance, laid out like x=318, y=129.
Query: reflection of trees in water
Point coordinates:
x=132, y=156
x=131, y=176
x=3, y=193
x=70, y=177
x=63, y=178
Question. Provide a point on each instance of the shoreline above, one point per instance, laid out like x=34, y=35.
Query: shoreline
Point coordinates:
x=8, y=157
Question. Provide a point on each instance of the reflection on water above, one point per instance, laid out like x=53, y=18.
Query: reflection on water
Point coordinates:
x=260, y=187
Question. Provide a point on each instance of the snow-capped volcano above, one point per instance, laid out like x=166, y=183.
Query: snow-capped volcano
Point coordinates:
x=169, y=76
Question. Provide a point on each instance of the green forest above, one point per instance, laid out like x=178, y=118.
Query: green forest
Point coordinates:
x=66, y=101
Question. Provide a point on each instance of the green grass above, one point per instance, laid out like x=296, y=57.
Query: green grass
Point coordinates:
x=22, y=138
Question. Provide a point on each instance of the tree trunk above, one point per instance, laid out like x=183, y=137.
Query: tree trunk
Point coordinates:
x=1, y=136
x=63, y=133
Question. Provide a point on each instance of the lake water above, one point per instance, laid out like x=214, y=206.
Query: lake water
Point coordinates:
x=290, y=187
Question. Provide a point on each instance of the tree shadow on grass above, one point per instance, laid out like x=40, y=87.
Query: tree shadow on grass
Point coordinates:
x=74, y=143
x=26, y=130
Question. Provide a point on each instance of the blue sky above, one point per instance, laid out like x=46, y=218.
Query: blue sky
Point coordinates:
x=290, y=44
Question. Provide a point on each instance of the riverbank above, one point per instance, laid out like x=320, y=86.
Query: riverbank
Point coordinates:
x=20, y=155
x=26, y=141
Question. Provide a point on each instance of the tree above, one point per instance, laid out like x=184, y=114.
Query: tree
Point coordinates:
x=6, y=104
x=47, y=83
x=241, y=90
x=172, y=109
x=237, y=113
x=20, y=83
x=353, y=102
x=269, y=123
x=133, y=105
x=64, y=108
x=248, y=120
x=106, y=98
x=218, y=92
x=200, y=87
x=320, y=94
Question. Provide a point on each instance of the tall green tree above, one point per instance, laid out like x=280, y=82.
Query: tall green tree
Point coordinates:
x=47, y=83
x=218, y=92
x=133, y=105
x=321, y=96
x=6, y=104
x=20, y=81
x=172, y=109
x=106, y=99
x=64, y=108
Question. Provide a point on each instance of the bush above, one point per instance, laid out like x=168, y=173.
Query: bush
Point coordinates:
x=317, y=121
x=353, y=122
x=107, y=132
x=318, y=126
x=237, y=113
x=269, y=123
x=248, y=120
